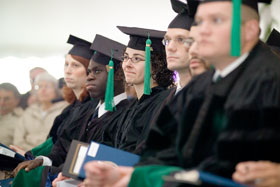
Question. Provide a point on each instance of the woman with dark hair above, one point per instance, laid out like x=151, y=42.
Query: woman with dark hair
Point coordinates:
x=134, y=124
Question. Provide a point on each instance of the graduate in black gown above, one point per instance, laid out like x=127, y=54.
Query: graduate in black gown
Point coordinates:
x=135, y=122
x=65, y=126
x=102, y=125
x=262, y=173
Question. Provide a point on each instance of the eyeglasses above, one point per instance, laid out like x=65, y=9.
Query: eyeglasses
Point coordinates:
x=179, y=41
x=133, y=59
x=47, y=86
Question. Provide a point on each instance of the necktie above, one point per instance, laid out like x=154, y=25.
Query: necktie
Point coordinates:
x=218, y=78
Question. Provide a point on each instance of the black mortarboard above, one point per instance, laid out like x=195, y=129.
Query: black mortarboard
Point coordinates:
x=274, y=38
x=251, y=3
x=81, y=47
x=185, y=16
x=178, y=6
x=105, y=48
x=138, y=37
x=274, y=41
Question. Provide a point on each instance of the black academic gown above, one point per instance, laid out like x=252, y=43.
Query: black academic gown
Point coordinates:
x=68, y=115
x=70, y=128
x=159, y=146
x=103, y=129
x=233, y=120
x=134, y=125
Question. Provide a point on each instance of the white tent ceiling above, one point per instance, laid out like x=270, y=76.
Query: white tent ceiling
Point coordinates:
x=40, y=28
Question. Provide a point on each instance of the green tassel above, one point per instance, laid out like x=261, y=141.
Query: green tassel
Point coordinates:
x=236, y=29
x=109, y=95
x=147, y=80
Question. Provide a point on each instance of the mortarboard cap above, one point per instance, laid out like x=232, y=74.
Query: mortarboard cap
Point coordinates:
x=251, y=3
x=107, y=52
x=80, y=47
x=274, y=41
x=274, y=38
x=185, y=16
x=106, y=48
x=138, y=37
x=178, y=6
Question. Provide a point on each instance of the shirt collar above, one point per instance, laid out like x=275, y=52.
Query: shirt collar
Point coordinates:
x=223, y=73
x=117, y=100
x=178, y=88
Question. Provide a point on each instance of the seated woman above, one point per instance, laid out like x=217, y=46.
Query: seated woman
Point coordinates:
x=150, y=88
x=37, y=119
x=66, y=126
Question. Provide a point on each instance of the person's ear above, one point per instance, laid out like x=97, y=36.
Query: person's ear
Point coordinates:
x=107, y=68
x=252, y=30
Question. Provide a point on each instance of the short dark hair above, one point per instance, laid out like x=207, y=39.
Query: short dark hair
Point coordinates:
x=10, y=87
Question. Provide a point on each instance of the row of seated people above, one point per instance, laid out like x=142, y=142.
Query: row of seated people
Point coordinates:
x=29, y=128
x=208, y=122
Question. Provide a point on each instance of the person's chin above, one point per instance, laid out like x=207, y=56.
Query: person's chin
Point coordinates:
x=70, y=85
x=172, y=66
x=94, y=94
x=129, y=80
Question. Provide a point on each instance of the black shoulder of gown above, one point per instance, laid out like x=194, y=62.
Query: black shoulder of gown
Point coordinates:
x=103, y=129
x=70, y=129
x=136, y=121
x=240, y=120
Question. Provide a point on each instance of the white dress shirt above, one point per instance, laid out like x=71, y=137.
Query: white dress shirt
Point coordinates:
x=227, y=70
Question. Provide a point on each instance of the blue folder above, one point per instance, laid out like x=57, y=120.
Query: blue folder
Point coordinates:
x=6, y=182
x=102, y=152
x=17, y=155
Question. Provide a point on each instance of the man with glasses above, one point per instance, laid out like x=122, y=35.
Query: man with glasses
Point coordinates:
x=177, y=44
